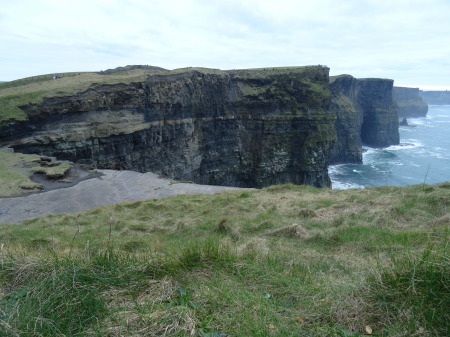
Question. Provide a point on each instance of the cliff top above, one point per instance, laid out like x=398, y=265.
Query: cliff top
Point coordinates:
x=15, y=94
x=335, y=77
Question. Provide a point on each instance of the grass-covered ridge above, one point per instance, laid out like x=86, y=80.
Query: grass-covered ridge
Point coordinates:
x=32, y=90
x=282, y=261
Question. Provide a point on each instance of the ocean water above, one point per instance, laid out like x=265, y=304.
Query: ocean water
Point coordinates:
x=422, y=155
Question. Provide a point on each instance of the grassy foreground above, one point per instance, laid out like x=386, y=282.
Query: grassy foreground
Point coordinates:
x=282, y=261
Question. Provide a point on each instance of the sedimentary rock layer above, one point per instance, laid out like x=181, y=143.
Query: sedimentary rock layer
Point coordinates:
x=248, y=128
x=365, y=114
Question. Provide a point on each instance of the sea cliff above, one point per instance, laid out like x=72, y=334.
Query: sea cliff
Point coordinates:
x=436, y=97
x=409, y=102
x=244, y=128
x=247, y=128
x=365, y=114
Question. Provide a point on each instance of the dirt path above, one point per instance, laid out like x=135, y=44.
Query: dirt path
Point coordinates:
x=109, y=188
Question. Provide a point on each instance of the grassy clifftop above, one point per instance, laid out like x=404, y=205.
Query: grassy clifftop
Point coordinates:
x=15, y=94
x=282, y=261
x=32, y=90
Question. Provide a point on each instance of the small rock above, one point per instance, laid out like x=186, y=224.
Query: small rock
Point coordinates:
x=45, y=159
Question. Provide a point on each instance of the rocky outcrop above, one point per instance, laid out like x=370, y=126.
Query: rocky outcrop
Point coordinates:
x=436, y=97
x=409, y=103
x=248, y=128
x=365, y=114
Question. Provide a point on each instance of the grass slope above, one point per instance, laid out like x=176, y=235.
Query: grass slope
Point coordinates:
x=282, y=261
x=32, y=90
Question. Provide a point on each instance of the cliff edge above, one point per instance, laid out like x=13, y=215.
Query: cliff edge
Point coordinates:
x=245, y=128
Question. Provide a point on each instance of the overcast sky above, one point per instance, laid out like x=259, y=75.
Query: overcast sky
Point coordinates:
x=406, y=40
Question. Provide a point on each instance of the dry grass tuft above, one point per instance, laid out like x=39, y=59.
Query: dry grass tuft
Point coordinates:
x=223, y=227
x=307, y=213
x=179, y=321
x=295, y=231
x=442, y=221
x=255, y=247
x=159, y=291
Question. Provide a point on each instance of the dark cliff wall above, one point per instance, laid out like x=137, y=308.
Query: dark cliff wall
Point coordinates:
x=365, y=113
x=241, y=128
x=436, y=97
x=380, y=114
x=409, y=103
x=348, y=147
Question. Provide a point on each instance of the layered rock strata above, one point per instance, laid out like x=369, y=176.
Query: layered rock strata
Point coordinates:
x=365, y=114
x=248, y=128
x=348, y=146
x=409, y=102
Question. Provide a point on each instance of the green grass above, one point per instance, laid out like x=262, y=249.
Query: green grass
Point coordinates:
x=57, y=170
x=15, y=174
x=36, y=79
x=18, y=93
x=230, y=263
x=415, y=292
x=17, y=168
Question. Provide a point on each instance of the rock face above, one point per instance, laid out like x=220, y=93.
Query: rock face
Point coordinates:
x=237, y=128
x=365, y=114
x=436, y=97
x=409, y=103
x=380, y=114
x=349, y=117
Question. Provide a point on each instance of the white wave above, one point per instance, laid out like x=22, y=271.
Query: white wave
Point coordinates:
x=408, y=144
x=335, y=169
x=416, y=121
x=339, y=185
x=367, y=151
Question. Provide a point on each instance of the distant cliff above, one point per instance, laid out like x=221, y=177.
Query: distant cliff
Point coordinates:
x=349, y=117
x=409, y=102
x=436, y=97
x=248, y=128
x=365, y=114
